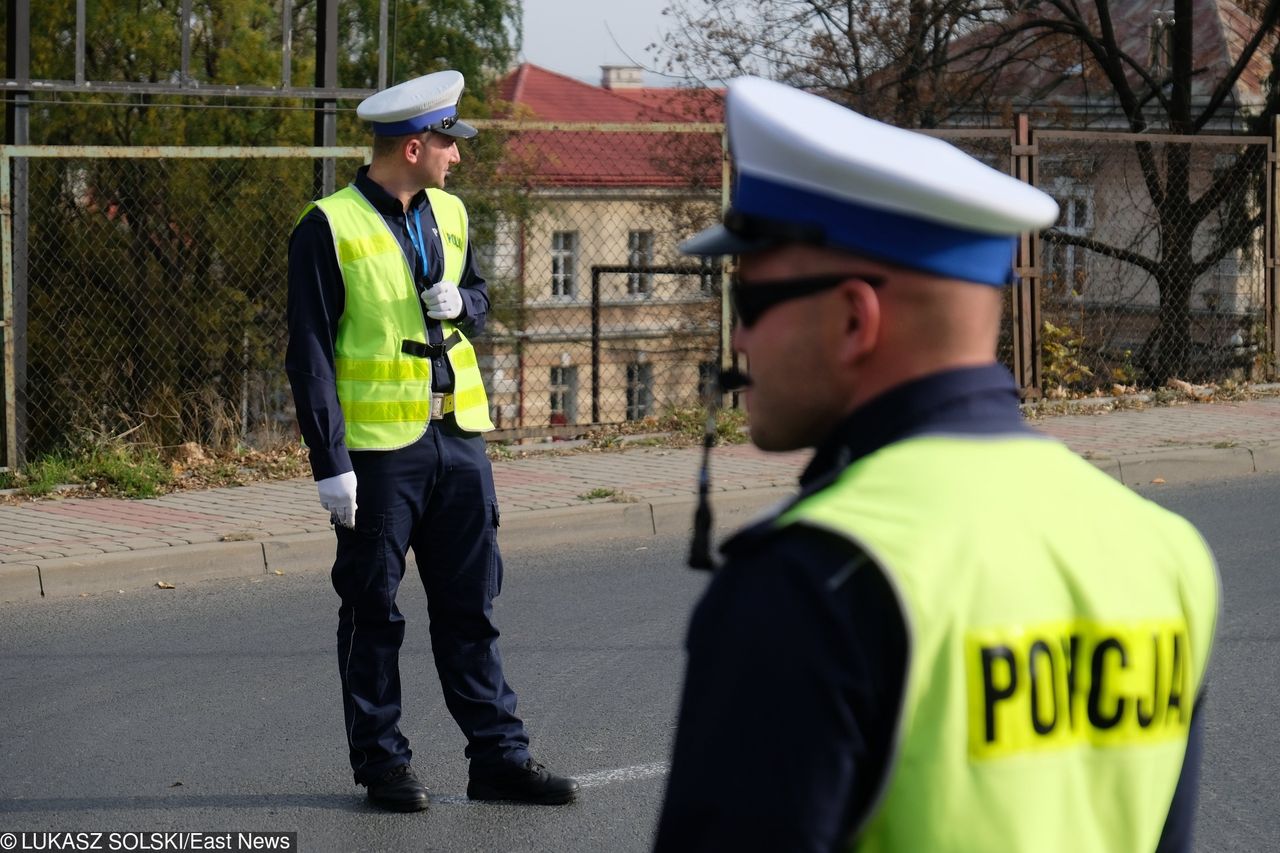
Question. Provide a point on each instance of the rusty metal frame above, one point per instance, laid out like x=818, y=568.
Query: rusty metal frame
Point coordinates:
x=6, y=322
x=1271, y=248
x=1185, y=139
x=1024, y=295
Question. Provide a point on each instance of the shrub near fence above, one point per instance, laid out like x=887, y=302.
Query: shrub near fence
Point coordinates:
x=156, y=296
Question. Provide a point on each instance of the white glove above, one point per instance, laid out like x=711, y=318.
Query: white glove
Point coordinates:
x=338, y=495
x=443, y=300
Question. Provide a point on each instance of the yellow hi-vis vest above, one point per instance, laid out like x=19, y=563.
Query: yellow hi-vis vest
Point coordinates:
x=386, y=393
x=1059, y=626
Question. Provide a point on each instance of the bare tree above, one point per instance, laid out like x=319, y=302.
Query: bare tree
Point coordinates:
x=920, y=63
x=1120, y=76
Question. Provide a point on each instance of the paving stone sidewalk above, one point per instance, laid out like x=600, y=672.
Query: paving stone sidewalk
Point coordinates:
x=1170, y=443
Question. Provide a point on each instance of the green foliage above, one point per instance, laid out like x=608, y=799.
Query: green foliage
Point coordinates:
x=156, y=295
x=44, y=474
x=691, y=423
x=1126, y=372
x=126, y=470
x=471, y=36
x=111, y=468
x=238, y=42
x=156, y=289
x=597, y=493
x=232, y=42
x=1061, y=356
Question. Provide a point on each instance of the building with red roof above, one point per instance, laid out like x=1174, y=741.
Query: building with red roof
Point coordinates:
x=592, y=323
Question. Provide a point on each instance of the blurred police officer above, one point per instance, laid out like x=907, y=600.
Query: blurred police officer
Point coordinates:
x=959, y=636
x=383, y=292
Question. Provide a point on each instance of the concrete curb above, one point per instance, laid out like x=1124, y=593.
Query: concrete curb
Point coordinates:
x=299, y=552
x=302, y=552
x=1182, y=465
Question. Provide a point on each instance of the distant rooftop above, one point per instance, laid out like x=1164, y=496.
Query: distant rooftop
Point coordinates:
x=608, y=158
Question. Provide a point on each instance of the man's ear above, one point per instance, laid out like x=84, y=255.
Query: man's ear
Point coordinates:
x=861, y=320
x=412, y=149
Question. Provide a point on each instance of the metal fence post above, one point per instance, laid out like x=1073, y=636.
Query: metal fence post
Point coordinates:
x=1024, y=296
x=6, y=258
x=17, y=132
x=1271, y=248
x=727, y=356
x=595, y=346
x=382, y=44
x=326, y=126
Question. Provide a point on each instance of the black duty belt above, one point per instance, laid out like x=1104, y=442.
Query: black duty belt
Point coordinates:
x=421, y=350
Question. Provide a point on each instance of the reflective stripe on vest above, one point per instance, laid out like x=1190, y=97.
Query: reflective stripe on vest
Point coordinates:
x=385, y=393
x=1059, y=626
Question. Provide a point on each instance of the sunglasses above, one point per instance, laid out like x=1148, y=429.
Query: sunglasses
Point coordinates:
x=751, y=301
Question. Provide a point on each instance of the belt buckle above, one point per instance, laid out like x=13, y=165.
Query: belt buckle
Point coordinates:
x=437, y=406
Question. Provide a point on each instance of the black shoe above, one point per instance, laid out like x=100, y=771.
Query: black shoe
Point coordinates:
x=522, y=783
x=398, y=791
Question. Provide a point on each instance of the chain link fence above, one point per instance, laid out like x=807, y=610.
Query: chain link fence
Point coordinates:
x=156, y=298
x=1157, y=266
x=995, y=149
x=597, y=318
x=156, y=283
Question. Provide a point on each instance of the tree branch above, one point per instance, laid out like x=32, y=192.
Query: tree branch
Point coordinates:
x=1268, y=23
x=1129, y=256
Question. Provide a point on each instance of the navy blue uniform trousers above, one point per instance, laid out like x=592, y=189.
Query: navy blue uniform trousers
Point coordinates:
x=435, y=496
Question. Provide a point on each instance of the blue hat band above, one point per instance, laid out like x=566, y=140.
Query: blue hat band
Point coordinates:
x=417, y=124
x=894, y=237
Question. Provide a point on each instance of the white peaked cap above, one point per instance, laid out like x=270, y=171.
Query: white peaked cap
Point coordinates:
x=810, y=170
x=423, y=103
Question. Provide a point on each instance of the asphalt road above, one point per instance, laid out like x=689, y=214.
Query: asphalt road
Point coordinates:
x=1239, y=809
x=214, y=706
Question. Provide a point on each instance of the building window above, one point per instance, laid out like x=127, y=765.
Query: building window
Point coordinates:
x=564, y=264
x=640, y=254
x=564, y=395
x=639, y=390
x=1066, y=267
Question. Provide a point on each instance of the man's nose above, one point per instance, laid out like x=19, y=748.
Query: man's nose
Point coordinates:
x=454, y=156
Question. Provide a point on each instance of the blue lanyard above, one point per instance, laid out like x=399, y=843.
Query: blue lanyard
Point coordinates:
x=419, y=244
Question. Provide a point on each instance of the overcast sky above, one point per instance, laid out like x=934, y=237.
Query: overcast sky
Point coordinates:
x=576, y=37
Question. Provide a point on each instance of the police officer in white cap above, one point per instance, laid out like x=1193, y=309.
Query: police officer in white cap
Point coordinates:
x=958, y=635
x=383, y=294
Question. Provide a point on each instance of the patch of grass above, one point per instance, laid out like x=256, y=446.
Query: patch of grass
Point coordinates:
x=651, y=441
x=41, y=476
x=125, y=470
x=119, y=469
x=116, y=468
x=597, y=493
x=679, y=427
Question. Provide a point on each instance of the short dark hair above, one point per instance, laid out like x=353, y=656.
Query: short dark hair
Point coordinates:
x=384, y=146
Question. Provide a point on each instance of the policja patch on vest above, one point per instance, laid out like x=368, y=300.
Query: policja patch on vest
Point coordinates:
x=1083, y=682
